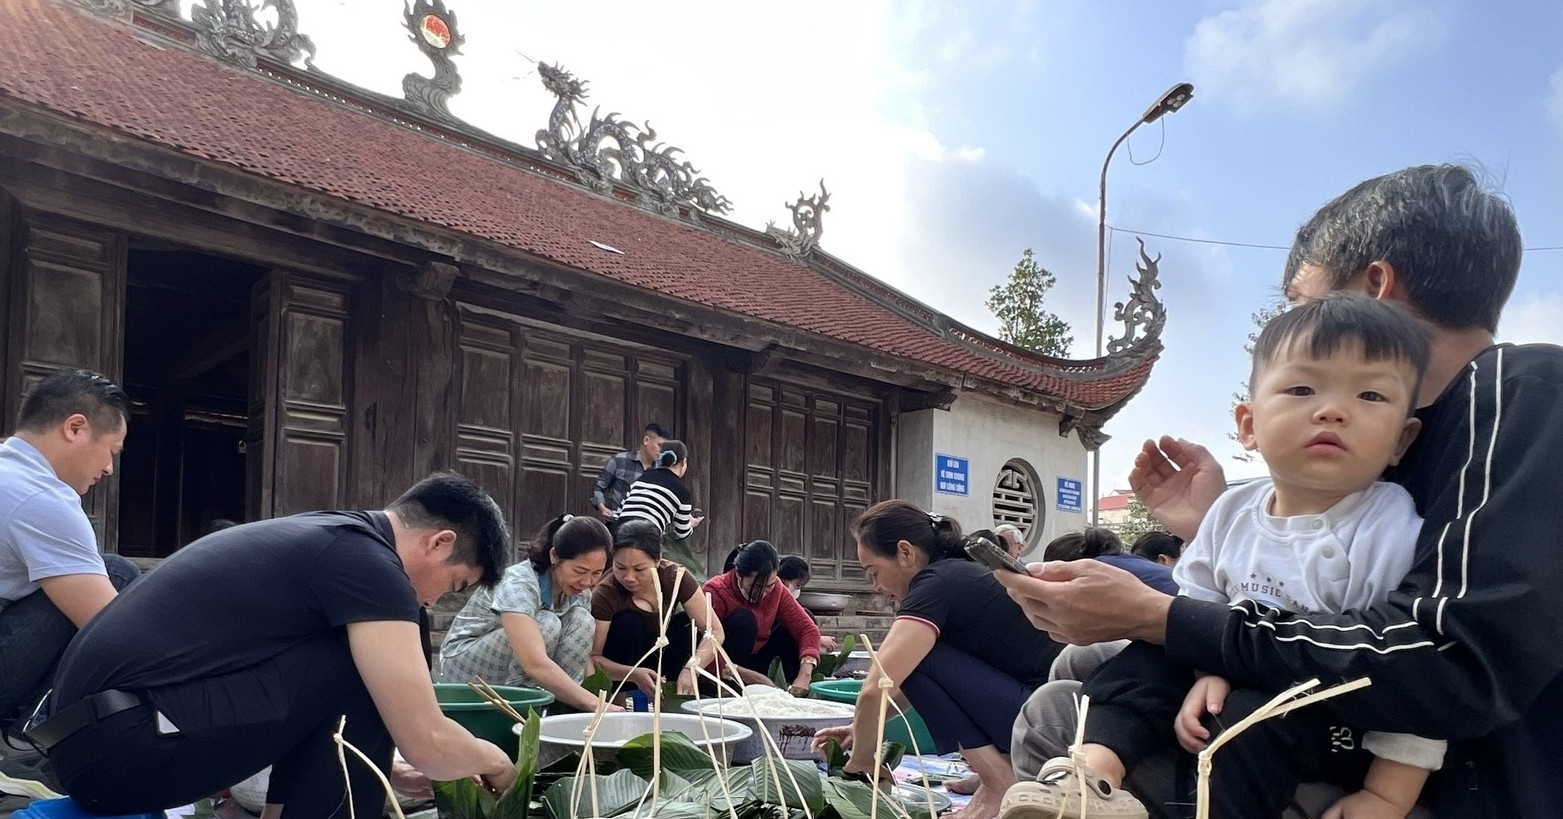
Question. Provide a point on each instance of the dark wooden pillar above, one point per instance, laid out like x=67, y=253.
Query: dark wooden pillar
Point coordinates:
x=725, y=526
x=301, y=382
x=64, y=308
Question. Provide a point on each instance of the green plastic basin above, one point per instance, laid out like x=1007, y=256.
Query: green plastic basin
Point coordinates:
x=896, y=729
x=485, y=721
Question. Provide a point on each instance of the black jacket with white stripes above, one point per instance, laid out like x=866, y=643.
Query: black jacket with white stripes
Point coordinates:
x=660, y=497
x=1470, y=647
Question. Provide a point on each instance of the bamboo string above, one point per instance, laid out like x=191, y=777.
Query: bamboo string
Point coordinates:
x=493, y=697
x=884, y=684
x=341, y=743
x=1289, y=700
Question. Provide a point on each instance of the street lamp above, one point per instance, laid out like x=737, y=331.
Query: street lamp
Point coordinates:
x=1176, y=97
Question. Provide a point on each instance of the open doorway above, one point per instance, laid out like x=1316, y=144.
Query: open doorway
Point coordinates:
x=187, y=370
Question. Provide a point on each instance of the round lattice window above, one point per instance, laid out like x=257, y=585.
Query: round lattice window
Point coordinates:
x=1017, y=500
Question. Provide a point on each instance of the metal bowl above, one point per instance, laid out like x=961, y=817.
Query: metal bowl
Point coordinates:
x=824, y=602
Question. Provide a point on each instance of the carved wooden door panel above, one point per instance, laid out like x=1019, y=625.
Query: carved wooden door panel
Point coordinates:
x=540, y=412
x=300, y=426
x=809, y=470
x=65, y=310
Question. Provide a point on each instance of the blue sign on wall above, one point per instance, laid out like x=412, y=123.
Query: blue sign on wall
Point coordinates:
x=951, y=475
x=1069, y=491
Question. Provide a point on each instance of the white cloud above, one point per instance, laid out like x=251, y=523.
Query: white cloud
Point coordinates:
x=1555, y=101
x=1534, y=318
x=1302, y=55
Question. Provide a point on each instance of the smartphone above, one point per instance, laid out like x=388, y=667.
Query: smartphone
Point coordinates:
x=985, y=552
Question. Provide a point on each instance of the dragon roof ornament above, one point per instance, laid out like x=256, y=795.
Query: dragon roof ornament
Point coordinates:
x=229, y=30
x=1142, y=310
x=120, y=9
x=807, y=224
x=609, y=149
x=433, y=29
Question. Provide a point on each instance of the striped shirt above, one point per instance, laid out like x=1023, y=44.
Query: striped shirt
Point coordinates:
x=660, y=497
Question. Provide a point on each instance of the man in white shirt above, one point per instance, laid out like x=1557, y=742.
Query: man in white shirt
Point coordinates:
x=52, y=577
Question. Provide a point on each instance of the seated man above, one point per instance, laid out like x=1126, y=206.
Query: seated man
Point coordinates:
x=52, y=578
x=246, y=649
x=1466, y=647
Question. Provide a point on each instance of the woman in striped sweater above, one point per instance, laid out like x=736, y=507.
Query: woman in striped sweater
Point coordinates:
x=660, y=496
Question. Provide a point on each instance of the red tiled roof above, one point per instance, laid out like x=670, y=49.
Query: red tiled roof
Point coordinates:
x=1114, y=501
x=97, y=72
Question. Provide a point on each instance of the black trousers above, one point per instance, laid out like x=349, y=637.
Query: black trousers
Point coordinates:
x=944, y=689
x=740, y=630
x=1135, y=696
x=281, y=713
x=33, y=635
x=630, y=636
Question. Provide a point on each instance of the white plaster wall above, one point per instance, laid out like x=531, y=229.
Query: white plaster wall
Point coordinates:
x=988, y=434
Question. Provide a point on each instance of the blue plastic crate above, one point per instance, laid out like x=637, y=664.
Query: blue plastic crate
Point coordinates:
x=68, y=809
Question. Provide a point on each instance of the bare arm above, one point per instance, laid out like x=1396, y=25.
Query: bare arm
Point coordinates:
x=526, y=640
x=78, y=596
x=904, y=647
x=388, y=658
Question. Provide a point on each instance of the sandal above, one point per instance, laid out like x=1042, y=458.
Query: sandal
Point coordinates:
x=1058, y=794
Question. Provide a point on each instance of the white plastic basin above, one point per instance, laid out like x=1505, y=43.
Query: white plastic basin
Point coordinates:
x=564, y=733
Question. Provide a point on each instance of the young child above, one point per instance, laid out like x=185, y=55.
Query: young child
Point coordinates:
x=1332, y=390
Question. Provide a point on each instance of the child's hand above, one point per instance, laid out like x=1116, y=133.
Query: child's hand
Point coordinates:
x=1208, y=696
x=1365, y=804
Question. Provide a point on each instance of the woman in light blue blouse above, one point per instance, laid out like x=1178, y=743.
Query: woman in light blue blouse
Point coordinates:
x=535, y=628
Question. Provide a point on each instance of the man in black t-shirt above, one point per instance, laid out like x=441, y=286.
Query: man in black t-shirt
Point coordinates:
x=247, y=648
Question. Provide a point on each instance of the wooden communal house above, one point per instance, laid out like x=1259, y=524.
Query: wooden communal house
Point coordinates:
x=317, y=294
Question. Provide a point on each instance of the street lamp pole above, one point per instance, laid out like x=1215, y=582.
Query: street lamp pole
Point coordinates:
x=1176, y=97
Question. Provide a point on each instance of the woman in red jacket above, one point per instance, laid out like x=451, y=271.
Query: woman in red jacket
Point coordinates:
x=762, y=621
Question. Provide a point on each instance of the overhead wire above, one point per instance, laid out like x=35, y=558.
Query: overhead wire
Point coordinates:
x=1196, y=240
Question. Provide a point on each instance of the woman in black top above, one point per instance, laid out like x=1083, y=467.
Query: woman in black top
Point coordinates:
x=960, y=650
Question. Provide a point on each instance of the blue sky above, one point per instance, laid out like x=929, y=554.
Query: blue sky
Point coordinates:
x=954, y=135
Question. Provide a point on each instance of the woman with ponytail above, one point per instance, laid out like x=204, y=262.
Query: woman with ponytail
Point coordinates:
x=660, y=496
x=762, y=620
x=535, y=628
x=960, y=650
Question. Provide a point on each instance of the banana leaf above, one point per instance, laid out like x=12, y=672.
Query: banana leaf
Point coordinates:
x=802, y=789
x=515, y=803
x=678, y=549
x=830, y=661
x=680, y=755
x=462, y=799
x=616, y=792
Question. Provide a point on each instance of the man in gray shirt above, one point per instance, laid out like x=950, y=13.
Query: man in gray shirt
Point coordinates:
x=52, y=577
x=624, y=469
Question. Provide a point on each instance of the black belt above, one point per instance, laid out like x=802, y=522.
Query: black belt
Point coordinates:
x=82, y=713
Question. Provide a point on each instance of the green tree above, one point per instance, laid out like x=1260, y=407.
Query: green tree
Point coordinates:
x=1139, y=521
x=1018, y=307
x=1260, y=318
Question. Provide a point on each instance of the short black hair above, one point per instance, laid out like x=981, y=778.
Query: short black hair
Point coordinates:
x=1384, y=330
x=1152, y=545
x=1087, y=543
x=1454, y=245
x=642, y=534
x=447, y=500
x=793, y=568
x=74, y=392
x=656, y=429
